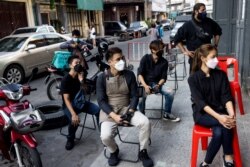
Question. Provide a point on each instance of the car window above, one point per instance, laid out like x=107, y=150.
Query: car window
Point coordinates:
x=38, y=40
x=54, y=39
x=43, y=29
x=25, y=30
x=134, y=24
x=51, y=29
x=116, y=26
x=12, y=44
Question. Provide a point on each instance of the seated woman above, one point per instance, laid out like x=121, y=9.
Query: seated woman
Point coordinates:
x=212, y=103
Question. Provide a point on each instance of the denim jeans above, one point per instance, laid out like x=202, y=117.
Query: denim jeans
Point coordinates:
x=168, y=94
x=221, y=136
x=89, y=108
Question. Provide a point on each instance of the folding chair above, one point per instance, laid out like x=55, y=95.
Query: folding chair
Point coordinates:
x=126, y=142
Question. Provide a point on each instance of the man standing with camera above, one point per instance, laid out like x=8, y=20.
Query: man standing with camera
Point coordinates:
x=196, y=32
x=152, y=75
x=116, y=91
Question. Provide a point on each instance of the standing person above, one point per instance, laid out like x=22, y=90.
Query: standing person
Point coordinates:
x=70, y=86
x=196, y=32
x=152, y=32
x=92, y=34
x=152, y=74
x=117, y=96
x=212, y=103
x=160, y=32
x=76, y=46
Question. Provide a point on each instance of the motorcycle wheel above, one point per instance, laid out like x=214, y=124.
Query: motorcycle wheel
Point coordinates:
x=53, y=89
x=30, y=156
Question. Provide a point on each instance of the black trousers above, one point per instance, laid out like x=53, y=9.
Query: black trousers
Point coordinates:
x=221, y=136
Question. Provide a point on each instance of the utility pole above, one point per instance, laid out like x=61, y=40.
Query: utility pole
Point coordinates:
x=146, y=10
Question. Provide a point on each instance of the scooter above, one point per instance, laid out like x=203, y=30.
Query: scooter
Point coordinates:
x=18, y=120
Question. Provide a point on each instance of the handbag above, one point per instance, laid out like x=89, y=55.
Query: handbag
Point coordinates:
x=200, y=33
x=79, y=100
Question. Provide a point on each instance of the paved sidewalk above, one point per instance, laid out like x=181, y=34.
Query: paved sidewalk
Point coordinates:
x=171, y=142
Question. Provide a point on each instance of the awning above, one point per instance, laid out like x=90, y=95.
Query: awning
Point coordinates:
x=90, y=4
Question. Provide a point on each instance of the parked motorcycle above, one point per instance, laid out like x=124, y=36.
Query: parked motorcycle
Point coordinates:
x=19, y=119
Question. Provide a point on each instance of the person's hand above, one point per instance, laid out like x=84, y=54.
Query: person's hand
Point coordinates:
x=147, y=89
x=73, y=45
x=117, y=118
x=75, y=119
x=156, y=88
x=84, y=46
x=227, y=121
x=189, y=53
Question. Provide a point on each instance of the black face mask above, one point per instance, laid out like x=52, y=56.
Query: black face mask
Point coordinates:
x=78, y=68
x=159, y=53
x=202, y=16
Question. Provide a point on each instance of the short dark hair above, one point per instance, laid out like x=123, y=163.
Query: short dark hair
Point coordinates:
x=71, y=58
x=156, y=45
x=111, y=52
x=76, y=33
x=197, y=7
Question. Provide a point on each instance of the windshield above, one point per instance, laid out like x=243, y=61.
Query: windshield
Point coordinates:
x=12, y=44
x=27, y=30
x=135, y=24
x=178, y=25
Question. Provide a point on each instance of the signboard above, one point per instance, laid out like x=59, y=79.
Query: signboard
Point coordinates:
x=159, y=6
x=90, y=4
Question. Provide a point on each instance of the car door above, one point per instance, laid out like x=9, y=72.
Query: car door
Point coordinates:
x=53, y=44
x=35, y=57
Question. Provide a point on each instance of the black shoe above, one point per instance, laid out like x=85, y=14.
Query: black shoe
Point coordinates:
x=146, y=160
x=113, y=159
x=70, y=144
x=204, y=165
x=227, y=164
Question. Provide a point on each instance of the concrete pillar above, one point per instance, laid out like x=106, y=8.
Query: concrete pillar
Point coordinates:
x=85, y=27
x=62, y=15
x=30, y=14
x=101, y=28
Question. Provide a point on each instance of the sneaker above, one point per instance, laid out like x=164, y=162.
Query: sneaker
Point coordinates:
x=70, y=144
x=146, y=160
x=171, y=117
x=227, y=164
x=201, y=165
x=113, y=159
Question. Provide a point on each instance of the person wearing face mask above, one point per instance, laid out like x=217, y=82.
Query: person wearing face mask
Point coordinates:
x=70, y=86
x=76, y=46
x=196, y=32
x=212, y=103
x=152, y=75
x=116, y=91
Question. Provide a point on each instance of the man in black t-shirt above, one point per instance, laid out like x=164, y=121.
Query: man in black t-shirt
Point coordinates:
x=196, y=32
x=70, y=86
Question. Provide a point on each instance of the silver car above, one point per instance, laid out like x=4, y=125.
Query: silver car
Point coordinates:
x=21, y=53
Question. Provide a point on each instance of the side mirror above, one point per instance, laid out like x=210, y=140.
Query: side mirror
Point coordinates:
x=30, y=46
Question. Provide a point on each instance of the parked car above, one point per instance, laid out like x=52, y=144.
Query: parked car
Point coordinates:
x=166, y=24
x=139, y=27
x=180, y=20
x=41, y=29
x=114, y=28
x=21, y=53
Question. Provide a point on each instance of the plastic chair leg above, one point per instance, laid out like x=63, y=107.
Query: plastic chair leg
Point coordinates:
x=236, y=149
x=239, y=98
x=194, y=154
x=204, y=141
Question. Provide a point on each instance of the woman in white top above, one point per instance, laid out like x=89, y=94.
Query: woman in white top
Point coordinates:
x=92, y=34
x=152, y=32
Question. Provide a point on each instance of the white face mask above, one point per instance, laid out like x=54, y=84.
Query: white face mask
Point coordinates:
x=120, y=65
x=75, y=39
x=212, y=63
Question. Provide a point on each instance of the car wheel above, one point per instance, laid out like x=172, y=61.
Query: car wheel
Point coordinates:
x=14, y=74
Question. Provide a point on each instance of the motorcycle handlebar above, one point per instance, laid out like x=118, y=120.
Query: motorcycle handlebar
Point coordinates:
x=33, y=89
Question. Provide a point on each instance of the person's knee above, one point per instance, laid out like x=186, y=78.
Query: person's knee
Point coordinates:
x=217, y=133
x=105, y=136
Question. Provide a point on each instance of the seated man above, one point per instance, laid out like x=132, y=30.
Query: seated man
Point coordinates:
x=152, y=74
x=116, y=96
x=70, y=86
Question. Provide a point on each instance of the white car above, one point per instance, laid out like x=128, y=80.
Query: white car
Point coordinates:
x=21, y=53
x=40, y=29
